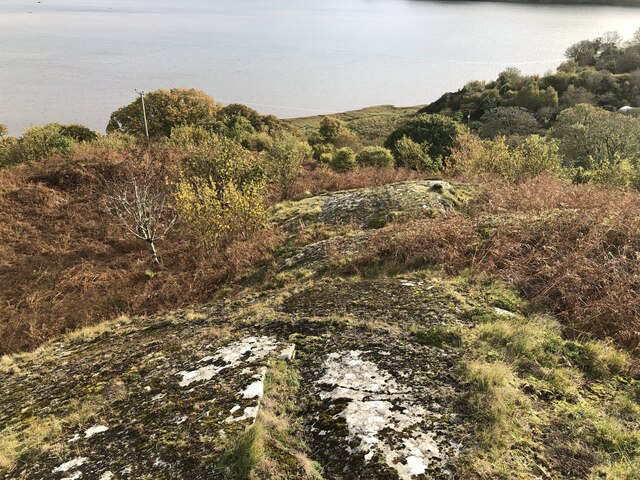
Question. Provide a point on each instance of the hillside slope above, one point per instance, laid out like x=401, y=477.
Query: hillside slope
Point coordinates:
x=304, y=373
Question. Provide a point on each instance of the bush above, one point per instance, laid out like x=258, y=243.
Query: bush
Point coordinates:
x=322, y=149
x=115, y=142
x=79, y=133
x=343, y=160
x=330, y=128
x=508, y=121
x=532, y=97
x=190, y=137
x=593, y=138
x=7, y=146
x=416, y=157
x=41, y=142
x=326, y=158
x=285, y=156
x=219, y=213
x=348, y=139
x=165, y=110
x=436, y=131
x=528, y=158
x=221, y=161
x=231, y=114
x=375, y=157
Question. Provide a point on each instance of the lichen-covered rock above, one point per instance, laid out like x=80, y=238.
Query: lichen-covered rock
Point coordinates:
x=167, y=396
x=368, y=206
x=162, y=397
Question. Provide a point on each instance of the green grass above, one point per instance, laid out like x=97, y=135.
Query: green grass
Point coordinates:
x=438, y=336
x=38, y=435
x=542, y=405
x=272, y=448
x=372, y=124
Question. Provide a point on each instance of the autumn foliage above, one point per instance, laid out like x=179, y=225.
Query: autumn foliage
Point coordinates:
x=572, y=249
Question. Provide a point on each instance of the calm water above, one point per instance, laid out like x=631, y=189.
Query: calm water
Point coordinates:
x=78, y=60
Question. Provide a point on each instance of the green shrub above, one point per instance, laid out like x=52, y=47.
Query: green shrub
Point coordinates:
x=435, y=131
x=7, y=146
x=343, y=160
x=412, y=155
x=165, y=109
x=79, y=133
x=508, y=121
x=221, y=193
x=285, y=156
x=40, y=142
x=375, y=157
x=330, y=128
x=326, y=158
x=221, y=212
x=117, y=142
x=517, y=162
x=593, y=138
x=319, y=149
x=190, y=136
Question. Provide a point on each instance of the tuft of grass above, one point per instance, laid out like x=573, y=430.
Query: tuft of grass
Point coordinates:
x=536, y=339
x=36, y=434
x=91, y=332
x=438, y=336
x=544, y=406
x=495, y=402
x=8, y=364
x=599, y=359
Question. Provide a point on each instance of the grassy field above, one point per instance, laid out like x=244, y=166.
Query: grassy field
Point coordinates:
x=372, y=124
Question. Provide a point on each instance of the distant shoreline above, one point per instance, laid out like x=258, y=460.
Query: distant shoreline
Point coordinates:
x=615, y=3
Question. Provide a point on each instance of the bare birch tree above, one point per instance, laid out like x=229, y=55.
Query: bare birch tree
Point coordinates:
x=138, y=200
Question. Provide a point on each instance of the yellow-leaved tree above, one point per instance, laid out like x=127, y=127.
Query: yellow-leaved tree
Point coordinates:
x=221, y=193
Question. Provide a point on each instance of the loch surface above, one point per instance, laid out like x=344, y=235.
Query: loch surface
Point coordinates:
x=78, y=60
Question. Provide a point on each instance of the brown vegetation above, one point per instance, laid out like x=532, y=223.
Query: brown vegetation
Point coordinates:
x=571, y=248
x=66, y=263
x=317, y=178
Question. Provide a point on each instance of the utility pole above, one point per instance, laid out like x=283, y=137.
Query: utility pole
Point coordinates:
x=144, y=114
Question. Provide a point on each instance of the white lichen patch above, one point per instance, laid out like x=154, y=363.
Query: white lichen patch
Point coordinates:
x=231, y=356
x=74, y=476
x=76, y=462
x=107, y=476
x=378, y=403
x=249, y=413
x=90, y=432
x=418, y=452
x=355, y=378
x=255, y=389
